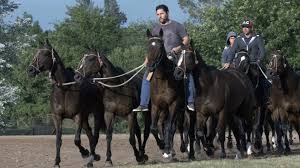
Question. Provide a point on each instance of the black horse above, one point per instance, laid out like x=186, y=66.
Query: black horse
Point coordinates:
x=226, y=95
x=72, y=101
x=284, y=99
x=118, y=101
x=263, y=118
x=167, y=97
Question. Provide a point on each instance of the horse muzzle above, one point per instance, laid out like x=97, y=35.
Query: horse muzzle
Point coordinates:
x=78, y=77
x=32, y=72
x=178, y=73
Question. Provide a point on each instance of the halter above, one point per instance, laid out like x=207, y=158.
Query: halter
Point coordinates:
x=36, y=59
x=82, y=62
x=158, y=61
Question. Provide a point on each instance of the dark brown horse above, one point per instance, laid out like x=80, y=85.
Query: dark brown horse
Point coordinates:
x=167, y=94
x=118, y=101
x=72, y=101
x=285, y=98
x=263, y=118
x=226, y=95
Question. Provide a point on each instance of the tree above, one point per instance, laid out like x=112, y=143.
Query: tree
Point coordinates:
x=87, y=26
x=276, y=21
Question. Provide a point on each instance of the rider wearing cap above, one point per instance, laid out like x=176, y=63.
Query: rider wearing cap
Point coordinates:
x=249, y=41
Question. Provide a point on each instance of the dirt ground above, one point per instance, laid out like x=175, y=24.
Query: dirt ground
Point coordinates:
x=39, y=151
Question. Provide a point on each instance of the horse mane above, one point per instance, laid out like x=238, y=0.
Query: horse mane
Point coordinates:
x=110, y=68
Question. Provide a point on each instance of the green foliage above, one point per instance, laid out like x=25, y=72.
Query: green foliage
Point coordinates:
x=276, y=21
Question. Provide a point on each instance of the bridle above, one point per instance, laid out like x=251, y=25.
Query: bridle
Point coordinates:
x=82, y=62
x=36, y=59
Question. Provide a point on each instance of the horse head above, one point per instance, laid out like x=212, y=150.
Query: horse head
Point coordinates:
x=278, y=63
x=156, y=50
x=187, y=61
x=90, y=64
x=44, y=59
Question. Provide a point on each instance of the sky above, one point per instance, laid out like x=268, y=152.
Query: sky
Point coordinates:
x=48, y=12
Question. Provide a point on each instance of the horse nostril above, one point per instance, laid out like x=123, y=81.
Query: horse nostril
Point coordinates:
x=77, y=77
x=31, y=71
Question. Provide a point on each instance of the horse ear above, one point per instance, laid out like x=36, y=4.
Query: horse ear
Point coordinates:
x=149, y=35
x=161, y=33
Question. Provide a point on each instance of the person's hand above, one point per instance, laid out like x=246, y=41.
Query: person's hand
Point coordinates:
x=226, y=65
x=146, y=61
x=176, y=49
x=258, y=61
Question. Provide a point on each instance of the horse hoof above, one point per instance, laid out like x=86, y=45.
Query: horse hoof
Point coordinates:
x=209, y=152
x=223, y=155
x=85, y=153
x=192, y=157
x=249, y=149
x=146, y=158
x=291, y=141
x=229, y=144
x=161, y=146
x=183, y=149
x=97, y=157
x=287, y=150
x=89, y=165
x=167, y=156
x=108, y=163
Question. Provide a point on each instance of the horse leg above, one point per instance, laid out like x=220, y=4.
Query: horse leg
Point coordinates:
x=291, y=134
x=132, y=130
x=279, y=136
x=267, y=133
x=168, y=131
x=221, y=131
x=229, y=142
x=58, y=127
x=237, y=129
x=192, y=136
x=97, y=125
x=185, y=134
x=90, y=136
x=285, y=128
x=137, y=131
x=154, y=128
x=109, y=120
x=77, y=141
x=200, y=134
x=147, y=123
x=211, y=125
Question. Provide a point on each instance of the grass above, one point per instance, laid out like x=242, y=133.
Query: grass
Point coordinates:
x=292, y=161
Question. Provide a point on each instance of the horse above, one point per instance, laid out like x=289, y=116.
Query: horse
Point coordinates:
x=284, y=99
x=254, y=71
x=227, y=95
x=118, y=101
x=166, y=94
x=71, y=102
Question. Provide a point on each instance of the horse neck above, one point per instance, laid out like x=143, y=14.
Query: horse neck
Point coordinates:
x=203, y=73
x=58, y=72
x=289, y=81
x=109, y=70
x=165, y=67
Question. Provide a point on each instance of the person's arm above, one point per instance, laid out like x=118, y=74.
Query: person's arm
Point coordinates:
x=181, y=31
x=261, y=48
x=232, y=51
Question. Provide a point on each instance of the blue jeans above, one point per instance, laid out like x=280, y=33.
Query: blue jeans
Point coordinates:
x=145, y=92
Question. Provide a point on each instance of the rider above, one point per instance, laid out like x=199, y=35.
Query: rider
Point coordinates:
x=225, y=54
x=254, y=44
x=174, y=36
